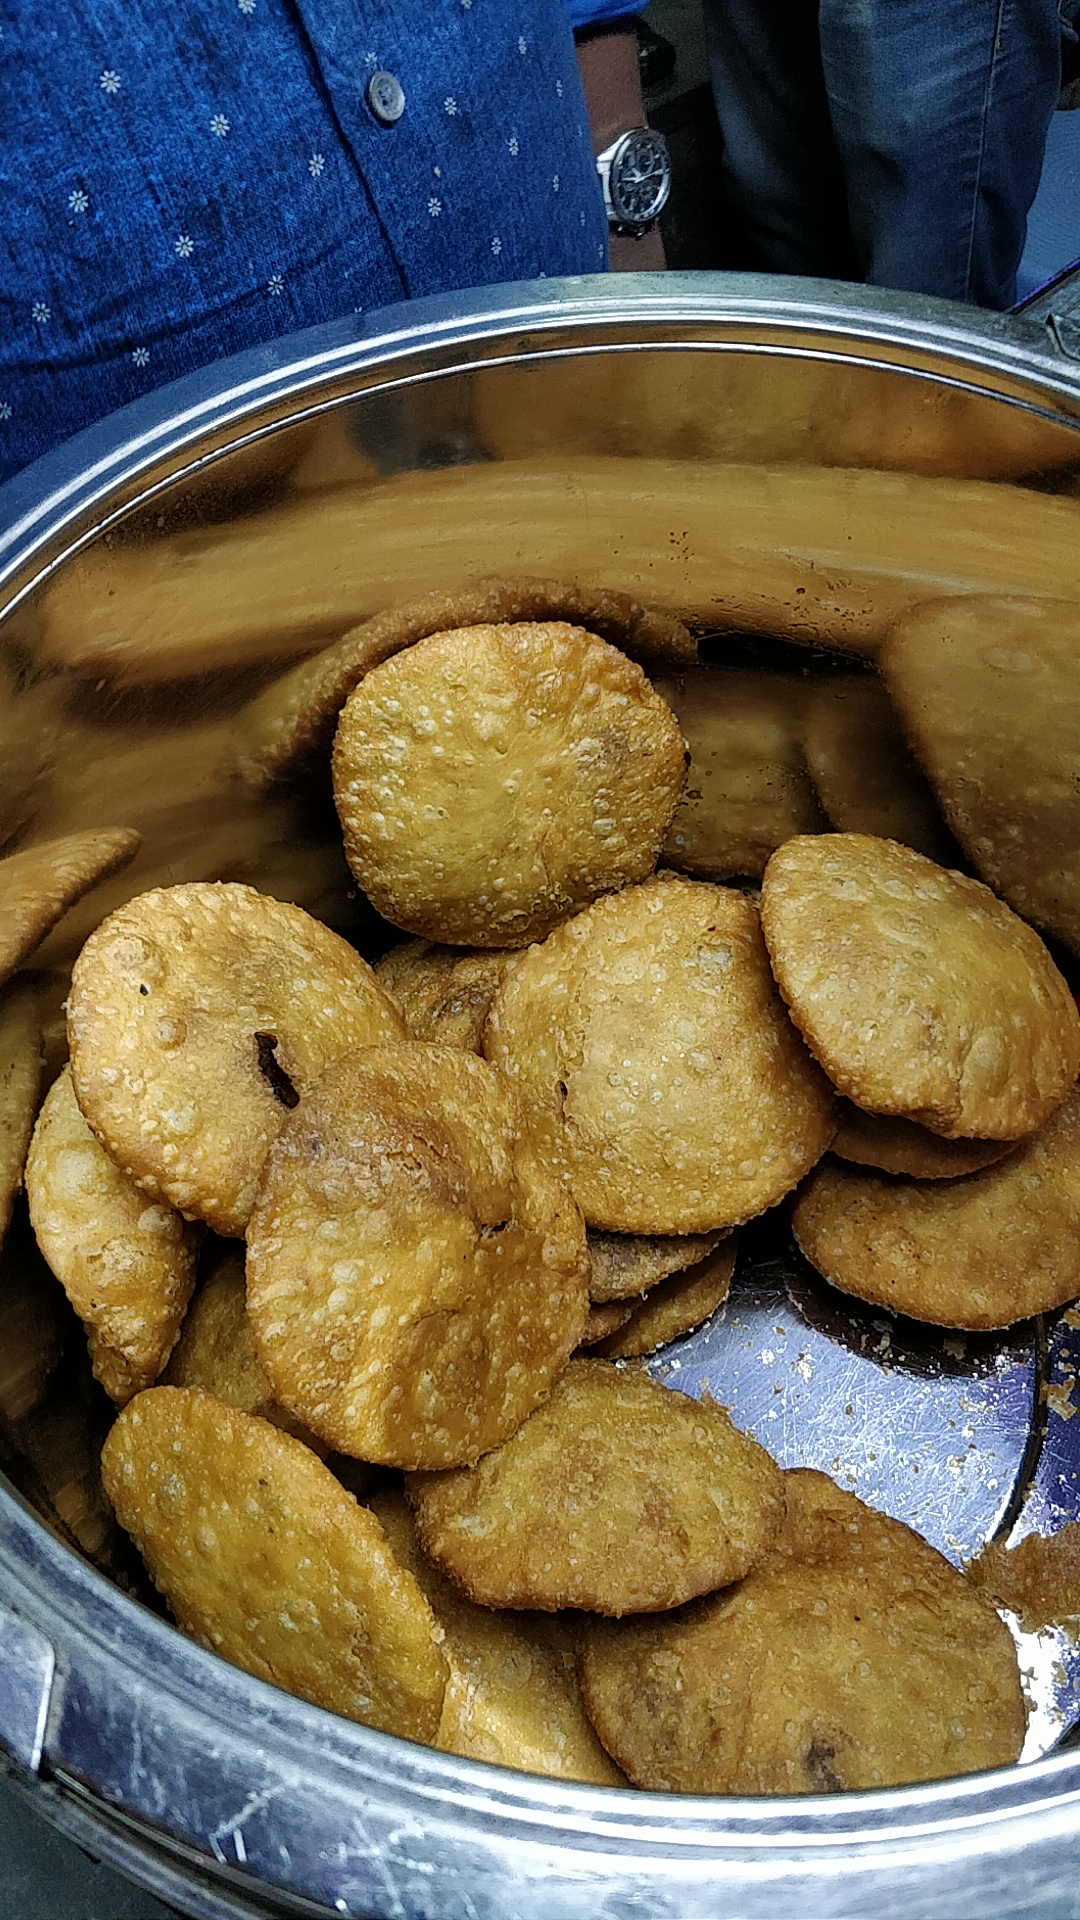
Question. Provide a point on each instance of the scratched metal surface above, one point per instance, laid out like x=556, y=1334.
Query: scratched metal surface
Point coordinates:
x=963, y=1437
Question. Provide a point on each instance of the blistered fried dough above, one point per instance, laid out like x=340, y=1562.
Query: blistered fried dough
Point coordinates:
x=1039, y=1580
x=675, y=1307
x=198, y=1015
x=989, y=696
x=855, y=1657
x=625, y=1265
x=616, y=1495
x=492, y=780
x=865, y=776
x=265, y=1559
x=747, y=789
x=512, y=1697
x=445, y=993
x=651, y=1048
x=604, y=1320
x=39, y=884
x=417, y=1277
x=20, y=1081
x=920, y=992
x=296, y=715
x=216, y=1349
x=126, y=1263
x=976, y=1253
x=900, y=1146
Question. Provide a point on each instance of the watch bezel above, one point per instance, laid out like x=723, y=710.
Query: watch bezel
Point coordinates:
x=620, y=218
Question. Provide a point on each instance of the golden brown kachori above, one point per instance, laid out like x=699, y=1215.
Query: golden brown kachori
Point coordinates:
x=417, y=1276
x=216, y=1348
x=902, y=1146
x=675, y=1307
x=863, y=770
x=444, y=993
x=492, y=780
x=747, y=789
x=989, y=696
x=652, y=1049
x=979, y=1252
x=20, y=1082
x=512, y=1697
x=921, y=994
x=605, y=1319
x=625, y=1265
x=265, y=1559
x=855, y=1657
x=125, y=1261
x=616, y=1495
x=40, y=883
x=198, y=1016
x=1038, y=1580
x=294, y=718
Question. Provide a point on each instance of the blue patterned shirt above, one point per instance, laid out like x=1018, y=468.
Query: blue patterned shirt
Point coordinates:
x=183, y=181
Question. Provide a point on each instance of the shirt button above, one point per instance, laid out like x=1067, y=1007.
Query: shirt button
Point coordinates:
x=385, y=97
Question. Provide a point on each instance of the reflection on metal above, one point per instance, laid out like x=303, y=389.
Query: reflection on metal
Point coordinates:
x=27, y=1663
x=929, y=1427
x=942, y=1431
x=1065, y=331
x=1051, y=1677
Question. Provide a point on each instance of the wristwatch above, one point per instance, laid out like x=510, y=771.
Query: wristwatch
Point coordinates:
x=635, y=173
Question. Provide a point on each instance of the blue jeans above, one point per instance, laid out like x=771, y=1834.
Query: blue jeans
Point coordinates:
x=894, y=141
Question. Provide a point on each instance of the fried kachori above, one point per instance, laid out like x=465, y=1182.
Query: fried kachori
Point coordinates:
x=493, y=779
x=39, y=884
x=988, y=694
x=652, y=1050
x=855, y=1657
x=625, y=1265
x=20, y=1081
x=616, y=1495
x=979, y=1252
x=295, y=717
x=125, y=1261
x=674, y=1307
x=265, y=1559
x=747, y=789
x=866, y=777
x=512, y=1697
x=198, y=1016
x=416, y=1274
x=922, y=995
x=444, y=993
x=1038, y=1579
x=902, y=1146
x=216, y=1347
x=605, y=1318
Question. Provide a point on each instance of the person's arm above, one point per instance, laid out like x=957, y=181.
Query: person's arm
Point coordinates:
x=608, y=59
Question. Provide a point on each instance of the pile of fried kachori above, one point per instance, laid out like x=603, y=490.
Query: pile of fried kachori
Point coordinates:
x=944, y=1020
x=442, y=1207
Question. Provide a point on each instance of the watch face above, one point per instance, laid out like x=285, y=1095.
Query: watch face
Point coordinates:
x=640, y=178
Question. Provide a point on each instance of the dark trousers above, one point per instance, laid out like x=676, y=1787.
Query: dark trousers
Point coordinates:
x=894, y=141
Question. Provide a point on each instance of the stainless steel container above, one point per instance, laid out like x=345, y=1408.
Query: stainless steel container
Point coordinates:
x=788, y=457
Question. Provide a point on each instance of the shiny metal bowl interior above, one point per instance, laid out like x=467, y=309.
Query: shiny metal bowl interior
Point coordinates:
x=790, y=459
